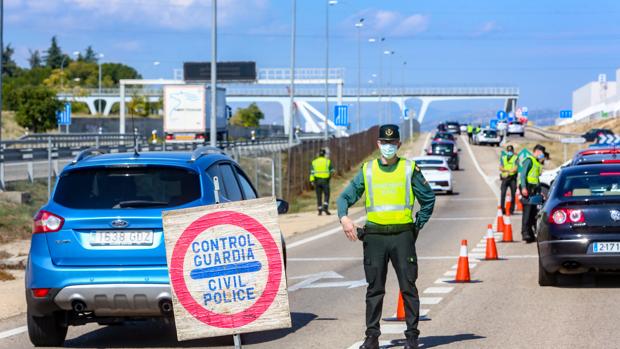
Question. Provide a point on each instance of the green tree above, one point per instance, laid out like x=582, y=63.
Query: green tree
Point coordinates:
x=138, y=106
x=90, y=56
x=248, y=117
x=35, y=59
x=9, y=67
x=36, y=108
x=117, y=71
x=54, y=56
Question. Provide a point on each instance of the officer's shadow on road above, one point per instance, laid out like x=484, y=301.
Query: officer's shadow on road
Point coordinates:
x=157, y=334
x=435, y=341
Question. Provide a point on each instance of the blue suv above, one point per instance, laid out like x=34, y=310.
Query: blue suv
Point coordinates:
x=97, y=252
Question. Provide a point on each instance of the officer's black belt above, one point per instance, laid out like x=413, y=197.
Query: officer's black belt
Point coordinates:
x=388, y=229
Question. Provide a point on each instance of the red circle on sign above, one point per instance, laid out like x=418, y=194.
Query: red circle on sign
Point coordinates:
x=274, y=276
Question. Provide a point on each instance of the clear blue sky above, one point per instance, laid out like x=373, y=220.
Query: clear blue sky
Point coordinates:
x=547, y=48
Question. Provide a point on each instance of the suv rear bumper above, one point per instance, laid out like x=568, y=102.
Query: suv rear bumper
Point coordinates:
x=117, y=299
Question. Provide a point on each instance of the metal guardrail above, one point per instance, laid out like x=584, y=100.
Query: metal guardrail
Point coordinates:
x=301, y=91
x=549, y=134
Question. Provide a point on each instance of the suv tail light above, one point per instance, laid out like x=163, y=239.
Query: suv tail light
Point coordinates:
x=442, y=169
x=200, y=136
x=40, y=292
x=169, y=137
x=47, y=222
x=564, y=215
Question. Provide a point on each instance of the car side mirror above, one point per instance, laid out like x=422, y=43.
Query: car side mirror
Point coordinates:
x=282, y=206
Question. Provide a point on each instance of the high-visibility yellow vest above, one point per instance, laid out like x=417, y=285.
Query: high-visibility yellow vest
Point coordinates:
x=389, y=196
x=320, y=168
x=508, y=164
x=470, y=129
x=533, y=175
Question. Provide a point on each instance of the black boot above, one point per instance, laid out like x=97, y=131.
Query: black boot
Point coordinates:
x=320, y=211
x=412, y=343
x=371, y=342
x=326, y=210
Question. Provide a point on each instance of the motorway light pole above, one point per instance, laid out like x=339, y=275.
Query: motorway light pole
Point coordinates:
x=359, y=26
x=213, y=131
x=292, y=87
x=328, y=3
x=389, y=104
x=100, y=56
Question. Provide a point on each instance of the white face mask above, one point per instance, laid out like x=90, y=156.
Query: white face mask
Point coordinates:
x=388, y=150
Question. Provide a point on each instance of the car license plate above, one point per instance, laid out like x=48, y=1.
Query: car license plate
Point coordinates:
x=606, y=247
x=185, y=136
x=121, y=238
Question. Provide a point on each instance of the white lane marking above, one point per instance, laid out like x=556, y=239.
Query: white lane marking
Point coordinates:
x=489, y=182
x=471, y=266
x=444, y=280
x=393, y=328
x=424, y=258
x=478, y=249
x=309, y=279
x=461, y=218
x=440, y=290
x=449, y=198
x=450, y=273
x=423, y=150
x=320, y=235
x=13, y=332
x=424, y=312
x=430, y=300
x=382, y=345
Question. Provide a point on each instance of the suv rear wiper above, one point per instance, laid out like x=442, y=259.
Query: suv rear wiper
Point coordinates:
x=140, y=203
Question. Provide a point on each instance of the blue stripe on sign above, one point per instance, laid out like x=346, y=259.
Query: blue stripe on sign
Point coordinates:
x=223, y=270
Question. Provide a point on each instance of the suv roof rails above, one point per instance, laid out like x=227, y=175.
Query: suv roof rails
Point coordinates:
x=201, y=151
x=87, y=153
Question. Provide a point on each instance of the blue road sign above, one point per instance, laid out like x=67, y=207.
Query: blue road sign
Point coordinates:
x=566, y=114
x=524, y=111
x=493, y=124
x=501, y=115
x=63, y=117
x=341, y=115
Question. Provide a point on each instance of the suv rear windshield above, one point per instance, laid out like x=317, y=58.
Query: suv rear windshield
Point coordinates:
x=490, y=133
x=591, y=184
x=127, y=187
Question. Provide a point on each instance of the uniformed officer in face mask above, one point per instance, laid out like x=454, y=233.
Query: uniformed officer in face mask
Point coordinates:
x=392, y=184
x=529, y=183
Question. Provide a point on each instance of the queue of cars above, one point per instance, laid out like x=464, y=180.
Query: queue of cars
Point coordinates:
x=578, y=227
x=97, y=246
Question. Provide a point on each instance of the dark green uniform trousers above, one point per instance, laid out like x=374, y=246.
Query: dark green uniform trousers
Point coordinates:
x=379, y=250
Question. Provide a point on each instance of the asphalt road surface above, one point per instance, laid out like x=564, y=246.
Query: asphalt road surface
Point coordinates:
x=503, y=308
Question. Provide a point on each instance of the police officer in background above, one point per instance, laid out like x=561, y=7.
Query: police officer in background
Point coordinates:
x=470, y=132
x=320, y=174
x=392, y=184
x=508, y=175
x=529, y=183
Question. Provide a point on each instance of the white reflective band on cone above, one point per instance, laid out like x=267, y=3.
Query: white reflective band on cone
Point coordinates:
x=507, y=220
x=489, y=233
x=463, y=251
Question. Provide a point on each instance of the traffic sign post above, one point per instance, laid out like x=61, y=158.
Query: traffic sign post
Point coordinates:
x=63, y=117
x=226, y=269
x=341, y=115
x=609, y=139
x=501, y=115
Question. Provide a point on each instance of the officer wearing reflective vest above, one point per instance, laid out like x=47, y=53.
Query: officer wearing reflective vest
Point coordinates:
x=470, y=132
x=508, y=175
x=392, y=185
x=320, y=173
x=529, y=184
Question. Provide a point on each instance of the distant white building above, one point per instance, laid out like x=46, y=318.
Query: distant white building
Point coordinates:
x=597, y=99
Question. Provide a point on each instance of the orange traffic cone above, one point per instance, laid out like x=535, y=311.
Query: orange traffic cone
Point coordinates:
x=491, y=252
x=508, y=203
x=462, y=270
x=400, y=310
x=507, y=230
x=500, y=220
x=519, y=206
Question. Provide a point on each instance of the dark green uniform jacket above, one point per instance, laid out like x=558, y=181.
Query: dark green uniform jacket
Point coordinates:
x=424, y=195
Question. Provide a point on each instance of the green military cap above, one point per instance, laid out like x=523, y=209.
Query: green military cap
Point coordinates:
x=389, y=132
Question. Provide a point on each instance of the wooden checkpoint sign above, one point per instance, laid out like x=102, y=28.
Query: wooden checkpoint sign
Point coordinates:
x=226, y=269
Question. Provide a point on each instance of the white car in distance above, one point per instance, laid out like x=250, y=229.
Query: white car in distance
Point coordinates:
x=487, y=136
x=515, y=127
x=436, y=172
